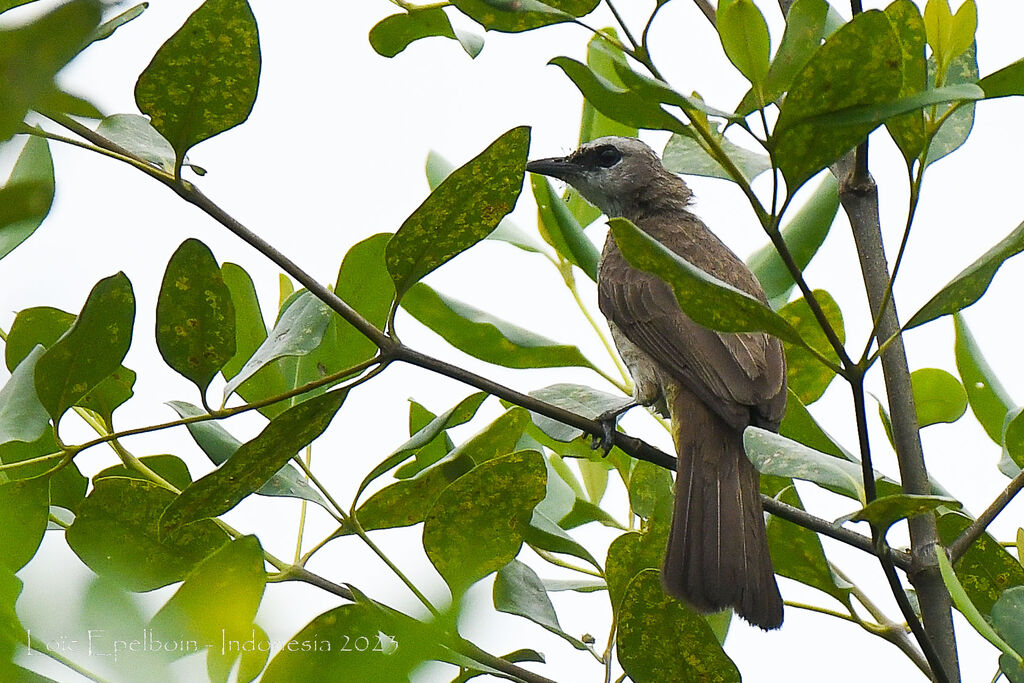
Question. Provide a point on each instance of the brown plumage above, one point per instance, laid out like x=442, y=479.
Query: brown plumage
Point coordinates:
x=712, y=384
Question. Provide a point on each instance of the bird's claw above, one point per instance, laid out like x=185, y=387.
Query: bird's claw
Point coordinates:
x=606, y=440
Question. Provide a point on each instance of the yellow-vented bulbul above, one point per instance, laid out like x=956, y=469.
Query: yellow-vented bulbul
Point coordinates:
x=712, y=384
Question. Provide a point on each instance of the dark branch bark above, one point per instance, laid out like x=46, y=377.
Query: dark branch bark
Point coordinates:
x=859, y=196
x=973, y=532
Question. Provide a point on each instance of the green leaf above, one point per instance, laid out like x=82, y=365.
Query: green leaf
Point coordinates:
x=967, y=287
x=948, y=35
x=602, y=56
x=364, y=284
x=963, y=602
x=595, y=478
x=477, y=524
x=962, y=74
x=986, y=569
x=91, y=350
x=1006, y=82
x=686, y=154
x=406, y=502
x=496, y=439
x=463, y=210
x=107, y=28
x=704, y=298
x=298, y=331
x=1012, y=668
x=646, y=609
x=138, y=136
x=195, y=318
x=989, y=401
x=512, y=16
x=938, y=395
x=584, y=512
x=797, y=552
x=393, y=34
x=458, y=414
x=576, y=585
x=618, y=103
x=1012, y=443
x=10, y=4
x=24, y=509
x=170, y=467
x=908, y=131
x=803, y=234
x=799, y=425
x=22, y=416
x=648, y=484
x=577, y=398
x=218, y=600
x=1008, y=618
x=32, y=55
x=561, y=230
x=250, y=333
x=440, y=446
x=356, y=642
x=203, y=79
x=628, y=555
x=253, y=464
x=438, y=168
x=657, y=90
x=518, y=590
x=112, y=392
x=744, y=35
x=44, y=325
x=544, y=533
x=486, y=337
x=115, y=535
x=805, y=28
x=782, y=457
x=12, y=634
x=807, y=376
x=26, y=198
x=219, y=445
x=864, y=56
x=883, y=512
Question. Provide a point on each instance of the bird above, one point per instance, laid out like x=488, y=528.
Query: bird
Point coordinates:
x=712, y=385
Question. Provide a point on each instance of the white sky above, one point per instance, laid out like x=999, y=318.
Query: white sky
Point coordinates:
x=334, y=152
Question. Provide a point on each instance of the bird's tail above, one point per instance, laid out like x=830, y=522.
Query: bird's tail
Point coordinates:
x=717, y=553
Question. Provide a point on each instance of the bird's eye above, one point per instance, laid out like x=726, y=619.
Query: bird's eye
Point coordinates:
x=608, y=157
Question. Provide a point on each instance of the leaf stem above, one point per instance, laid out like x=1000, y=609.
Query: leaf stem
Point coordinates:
x=622, y=24
x=36, y=645
x=558, y=562
x=626, y=383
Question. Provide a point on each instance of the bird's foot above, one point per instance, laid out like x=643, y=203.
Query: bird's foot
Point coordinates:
x=608, y=419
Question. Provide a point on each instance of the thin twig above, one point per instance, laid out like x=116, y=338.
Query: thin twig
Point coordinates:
x=976, y=528
x=622, y=24
x=832, y=530
x=708, y=11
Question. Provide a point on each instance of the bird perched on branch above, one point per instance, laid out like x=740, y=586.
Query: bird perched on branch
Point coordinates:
x=713, y=384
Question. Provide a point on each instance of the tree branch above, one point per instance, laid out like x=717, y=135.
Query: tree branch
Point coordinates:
x=832, y=530
x=859, y=197
x=976, y=528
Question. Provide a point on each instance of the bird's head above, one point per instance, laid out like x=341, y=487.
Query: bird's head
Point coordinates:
x=612, y=173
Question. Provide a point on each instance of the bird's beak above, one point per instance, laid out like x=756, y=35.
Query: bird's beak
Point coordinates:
x=556, y=167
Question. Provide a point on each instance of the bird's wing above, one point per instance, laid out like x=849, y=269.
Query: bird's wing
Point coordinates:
x=731, y=373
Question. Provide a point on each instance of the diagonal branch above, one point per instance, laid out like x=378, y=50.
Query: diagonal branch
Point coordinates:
x=976, y=528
